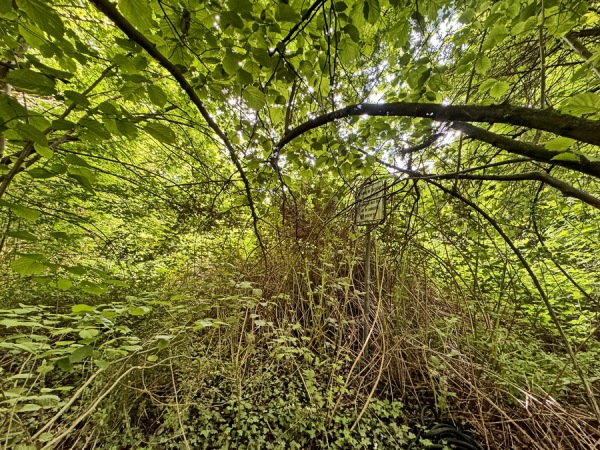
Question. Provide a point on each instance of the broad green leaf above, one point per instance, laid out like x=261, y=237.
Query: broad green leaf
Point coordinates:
x=27, y=80
x=93, y=288
x=77, y=98
x=38, y=172
x=25, y=213
x=138, y=310
x=567, y=156
x=157, y=95
x=89, y=333
x=285, y=13
x=349, y=51
x=483, y=65
x=28, y=265
x=43, y=151
x=371, y=11
x=580, y=104
x=231, y=18
x=63, y=284
x=240, y=6
x=43, y=16
x=499, y=89
x=138, y=12
x=31, y=133
x=559, y=143
x=81, y=308
x=81, y=353
x=160, y=132
x=152, y=358
x=24, y=235
x=76, y=160
x=254, y=98
x=64, y=364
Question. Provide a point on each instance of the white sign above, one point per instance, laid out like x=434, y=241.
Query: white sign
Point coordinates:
x=370, y=203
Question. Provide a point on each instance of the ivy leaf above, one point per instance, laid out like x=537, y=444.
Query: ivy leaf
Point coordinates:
x=254, y=98
x=43, y=16
x=482, y=65
x=138, y=12
x=160, y=132
x=32, y=82
x=28, y=265
x=157, y=95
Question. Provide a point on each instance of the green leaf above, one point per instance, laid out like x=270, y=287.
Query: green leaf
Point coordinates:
x=28, y=265
x=567, y=156
x=157, y=95
x=559, y=143
x=482, y=65
x=499, y=89
x=371, y=11
x=29, y=407
x=27, y=80
x=240, y=6
x=38, y=172
x=43, y=151
x=25, y=213
x=231, y=18
x=64, y=364
x=138, y=310
x=63, y=284
x=89, y=333
x=82, y=308
x=254, y=98
x=31, y=133
x=285, y=13
x=77, y=98
x=81, y=353
x=138, y=12
x=43, y=16
x=152, y=358
x=76, y=160
x=160, y=132
x=93, y=288
x=349, y=51
x=24, y=235
x=580, y=104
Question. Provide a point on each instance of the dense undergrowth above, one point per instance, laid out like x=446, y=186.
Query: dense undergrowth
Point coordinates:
x=226, y=355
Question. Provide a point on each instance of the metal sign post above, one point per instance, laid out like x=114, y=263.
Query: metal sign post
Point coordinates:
x=370, y=212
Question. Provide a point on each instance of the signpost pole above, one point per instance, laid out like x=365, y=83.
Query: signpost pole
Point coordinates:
x=367, y=308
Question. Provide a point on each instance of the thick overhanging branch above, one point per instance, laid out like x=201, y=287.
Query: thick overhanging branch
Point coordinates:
x=583, y=130
x=111, y=12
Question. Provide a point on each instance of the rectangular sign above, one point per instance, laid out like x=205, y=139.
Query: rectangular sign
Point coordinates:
x=370, y=203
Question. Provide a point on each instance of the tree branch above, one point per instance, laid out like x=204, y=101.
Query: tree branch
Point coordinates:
x=111, y=12
x=584, y=130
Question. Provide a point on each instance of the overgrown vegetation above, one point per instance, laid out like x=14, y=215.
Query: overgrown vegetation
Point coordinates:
x=180, y=261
